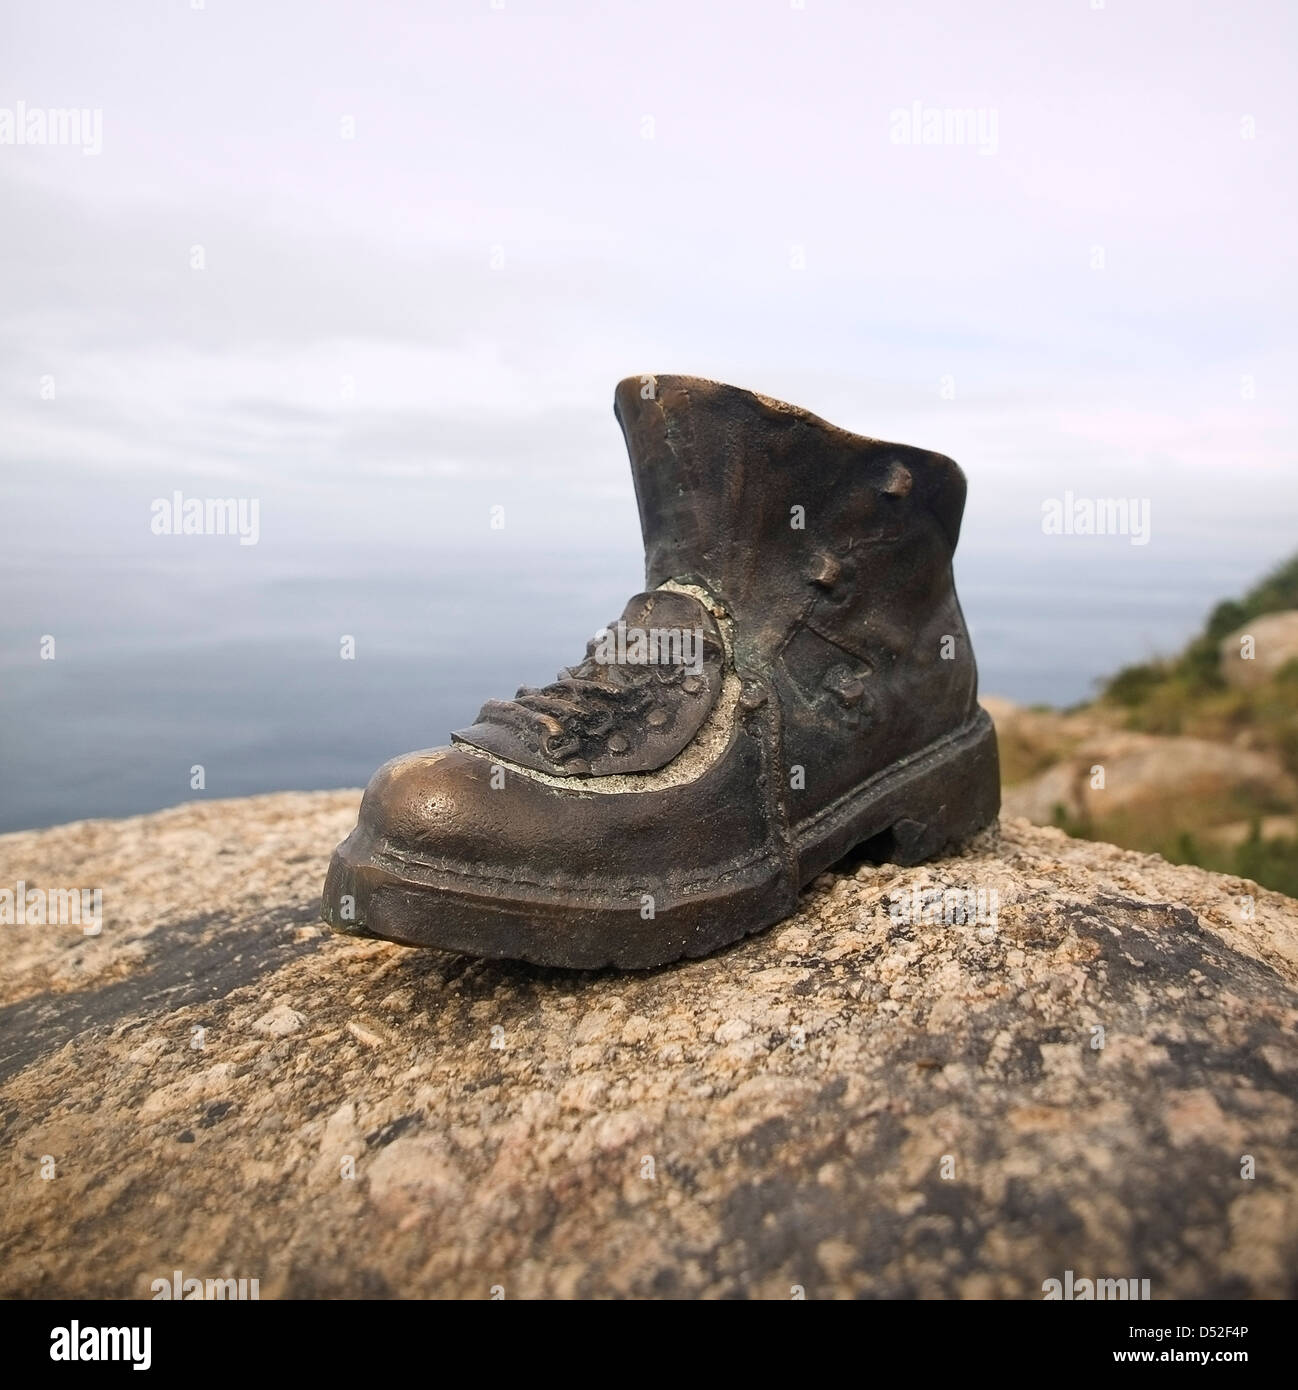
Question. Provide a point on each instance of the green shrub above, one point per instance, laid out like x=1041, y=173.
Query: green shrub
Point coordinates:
x=1197, y=671
x=1131, y=686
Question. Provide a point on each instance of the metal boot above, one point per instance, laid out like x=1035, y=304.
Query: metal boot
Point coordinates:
x=796, y=681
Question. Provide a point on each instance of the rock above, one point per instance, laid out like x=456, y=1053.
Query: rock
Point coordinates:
x=1269, y=828
x=1033, y=739
x=184, y=1094
x=1145, y=771
x=366, y=1036
x=1275, y=644
x=279, y=1022
x=853, y=1103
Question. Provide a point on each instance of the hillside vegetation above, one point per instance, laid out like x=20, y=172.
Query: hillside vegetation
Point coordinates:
x=1231, y=806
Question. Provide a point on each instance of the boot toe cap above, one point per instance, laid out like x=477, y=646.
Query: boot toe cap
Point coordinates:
x=439, y=801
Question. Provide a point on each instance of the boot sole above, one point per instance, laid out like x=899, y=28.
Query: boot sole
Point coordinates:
x=909, y=812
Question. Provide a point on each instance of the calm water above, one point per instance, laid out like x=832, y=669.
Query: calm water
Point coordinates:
x=172, y=652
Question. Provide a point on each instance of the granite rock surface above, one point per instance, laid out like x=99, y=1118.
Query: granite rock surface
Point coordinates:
x=1098, y=1074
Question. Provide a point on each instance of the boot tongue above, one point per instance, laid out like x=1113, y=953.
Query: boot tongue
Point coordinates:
x=643, y=691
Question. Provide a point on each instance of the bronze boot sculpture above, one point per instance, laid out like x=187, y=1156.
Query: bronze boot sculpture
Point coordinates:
x=795, y=682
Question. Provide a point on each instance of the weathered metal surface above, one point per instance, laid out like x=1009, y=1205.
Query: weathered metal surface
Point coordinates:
x=636, y=811
x=633, y=713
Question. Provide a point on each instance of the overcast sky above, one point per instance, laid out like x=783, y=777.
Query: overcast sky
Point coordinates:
x=433, y=236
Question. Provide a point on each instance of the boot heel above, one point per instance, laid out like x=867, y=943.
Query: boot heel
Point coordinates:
x=932, y=801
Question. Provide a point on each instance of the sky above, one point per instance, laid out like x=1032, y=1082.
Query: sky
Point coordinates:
x=380, y=266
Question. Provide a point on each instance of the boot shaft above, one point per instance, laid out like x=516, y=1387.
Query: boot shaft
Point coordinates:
x=832, y=554
x=785, y=517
